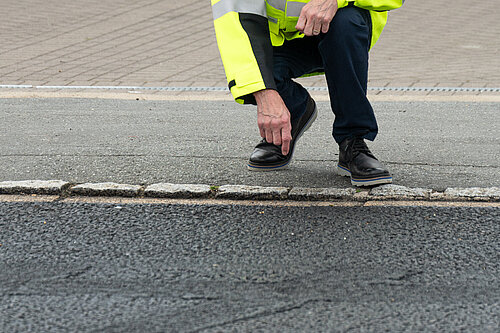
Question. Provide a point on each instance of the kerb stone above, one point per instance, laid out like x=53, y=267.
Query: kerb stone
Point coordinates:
x=303, y=193
x=398, y=192
x=106, y=189
x=473, y=193
x=252, y=192
x=33, y=187
x=167, y=190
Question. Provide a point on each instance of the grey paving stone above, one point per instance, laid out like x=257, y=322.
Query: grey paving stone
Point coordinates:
x=111, y=55
x=167, y=190
x=391, y=191
x=303, y=193
x=491, y=193
x=106, y=189
x=252, y=192
x=33, y=187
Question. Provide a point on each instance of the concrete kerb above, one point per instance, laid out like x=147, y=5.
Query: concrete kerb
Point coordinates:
x=245, y=192
x=106, y=189
x=43, y=187
x=168, y=190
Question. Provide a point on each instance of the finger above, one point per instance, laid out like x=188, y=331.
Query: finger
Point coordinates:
x=277, y=138
x=285, y=147
x=262, y=133
x=268, y=135
x=324, y=28
x=286, y=138
x=285, y=144
x=301, y=23
x=260, y=124
x=326, y=23
x=316, y=28
x=308, y=30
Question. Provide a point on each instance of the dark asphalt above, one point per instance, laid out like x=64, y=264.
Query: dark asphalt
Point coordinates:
x=180, y=268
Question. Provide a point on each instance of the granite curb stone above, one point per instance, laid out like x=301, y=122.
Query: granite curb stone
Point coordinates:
x=474, y=193
x=246, y=192
x=391, y=191
x=33, y=187
x=304, y=193
x=167, y=190
x=106, y=189
x=252, y=192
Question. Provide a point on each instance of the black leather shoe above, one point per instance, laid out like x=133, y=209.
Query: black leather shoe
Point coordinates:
x=267, y=156
x=357, y=161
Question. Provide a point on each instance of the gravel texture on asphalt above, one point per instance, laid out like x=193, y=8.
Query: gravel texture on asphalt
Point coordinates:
x=212, y=268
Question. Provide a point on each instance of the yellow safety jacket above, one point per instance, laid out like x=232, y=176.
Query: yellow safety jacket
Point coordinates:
x=246, y=31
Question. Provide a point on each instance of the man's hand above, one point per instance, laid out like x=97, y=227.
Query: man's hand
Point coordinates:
x=316, y=16
x=273, y=119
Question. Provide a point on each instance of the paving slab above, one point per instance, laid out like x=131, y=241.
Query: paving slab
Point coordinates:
x=172, y=43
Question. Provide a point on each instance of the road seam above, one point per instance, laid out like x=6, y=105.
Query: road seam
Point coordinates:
x=65, y=189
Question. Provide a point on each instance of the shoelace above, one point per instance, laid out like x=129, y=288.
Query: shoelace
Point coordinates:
x=359, y=146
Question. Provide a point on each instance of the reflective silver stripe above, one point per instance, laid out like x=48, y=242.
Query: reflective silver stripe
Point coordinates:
x=223, y=7
x=294, y=8
x=278, y=4
x=272, y=19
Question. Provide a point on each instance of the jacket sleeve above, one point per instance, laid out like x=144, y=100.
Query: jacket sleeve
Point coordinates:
x=242, y=33
x=375, y=5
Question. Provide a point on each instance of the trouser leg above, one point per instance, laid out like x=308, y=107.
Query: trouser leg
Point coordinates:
x=344, y=51
x=294, y=59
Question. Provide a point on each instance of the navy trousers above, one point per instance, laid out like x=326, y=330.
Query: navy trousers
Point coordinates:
x=342, y=53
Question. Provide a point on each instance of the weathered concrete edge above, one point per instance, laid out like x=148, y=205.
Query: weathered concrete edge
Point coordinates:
x=245, y=192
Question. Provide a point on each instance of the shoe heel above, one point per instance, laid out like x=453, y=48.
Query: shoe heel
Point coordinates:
x=343, y=172
x=311, y=121
x=308, y=124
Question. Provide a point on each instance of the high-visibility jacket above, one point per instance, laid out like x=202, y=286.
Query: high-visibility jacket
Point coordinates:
x=246, y=31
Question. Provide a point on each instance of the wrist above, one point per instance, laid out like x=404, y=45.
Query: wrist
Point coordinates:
x=266, y=96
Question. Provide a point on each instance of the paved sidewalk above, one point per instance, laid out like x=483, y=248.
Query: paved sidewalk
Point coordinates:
x=172, y=43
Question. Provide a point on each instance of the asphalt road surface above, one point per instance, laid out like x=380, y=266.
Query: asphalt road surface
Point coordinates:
x=217, y=268
x=425, y=144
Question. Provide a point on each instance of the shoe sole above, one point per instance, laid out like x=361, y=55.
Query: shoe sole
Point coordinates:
x=341, y=171
x=254, y=167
